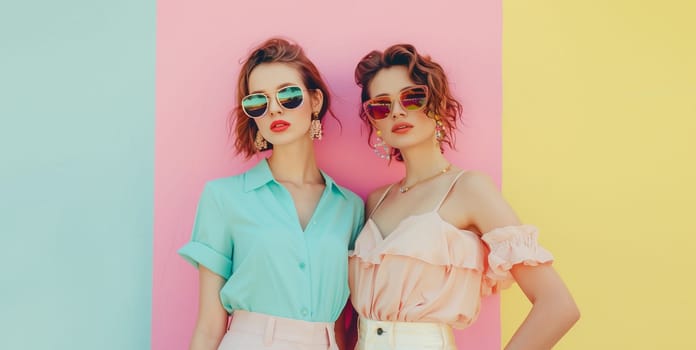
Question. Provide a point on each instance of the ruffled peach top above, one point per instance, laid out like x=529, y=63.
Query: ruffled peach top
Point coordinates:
x=427, y=270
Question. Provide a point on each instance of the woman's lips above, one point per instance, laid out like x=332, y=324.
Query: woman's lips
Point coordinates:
x=401, y=128
x=279, y=125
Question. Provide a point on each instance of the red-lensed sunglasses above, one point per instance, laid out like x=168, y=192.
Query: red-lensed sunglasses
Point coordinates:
x=412, y=98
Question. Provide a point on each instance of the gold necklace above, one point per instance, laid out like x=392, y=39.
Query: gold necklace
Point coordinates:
x=404, y=189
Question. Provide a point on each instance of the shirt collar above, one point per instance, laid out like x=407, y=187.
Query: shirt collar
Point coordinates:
x=260, y=175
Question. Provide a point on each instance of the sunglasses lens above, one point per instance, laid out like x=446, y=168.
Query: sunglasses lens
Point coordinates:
x=378, y=109
x=414, y=99
x=290, y=97
x=255, y=105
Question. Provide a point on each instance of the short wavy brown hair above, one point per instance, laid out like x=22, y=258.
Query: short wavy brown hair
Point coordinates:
x=272, y=50
x=423, y=71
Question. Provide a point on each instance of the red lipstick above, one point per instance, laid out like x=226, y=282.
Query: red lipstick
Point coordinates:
x=401, y=128
x=279, y=125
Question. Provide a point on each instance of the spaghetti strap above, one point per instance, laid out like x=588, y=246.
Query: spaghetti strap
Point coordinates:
x=379, y=202
x=448, y=190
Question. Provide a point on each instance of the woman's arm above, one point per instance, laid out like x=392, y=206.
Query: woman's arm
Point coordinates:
x=212, y=317
x=553, y=312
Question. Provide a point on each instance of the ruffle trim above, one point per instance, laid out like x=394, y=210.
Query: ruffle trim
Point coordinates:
x=509, y=246
x=463, y=249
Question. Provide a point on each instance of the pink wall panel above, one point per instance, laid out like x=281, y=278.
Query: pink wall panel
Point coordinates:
x=199, y=49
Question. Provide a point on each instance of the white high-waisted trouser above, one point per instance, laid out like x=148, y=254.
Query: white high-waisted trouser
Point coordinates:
x=386, y=335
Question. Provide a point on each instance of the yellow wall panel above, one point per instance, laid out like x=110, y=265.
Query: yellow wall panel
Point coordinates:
x=599, y=151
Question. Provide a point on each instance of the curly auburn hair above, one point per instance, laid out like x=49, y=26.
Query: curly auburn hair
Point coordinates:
x=423, y=71
x=272, y=50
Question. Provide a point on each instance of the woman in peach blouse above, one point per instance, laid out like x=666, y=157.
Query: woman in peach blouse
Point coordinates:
x=441, y=238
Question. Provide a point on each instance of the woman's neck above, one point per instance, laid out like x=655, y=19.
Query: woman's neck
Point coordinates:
x=295, y=163
x=422, y=162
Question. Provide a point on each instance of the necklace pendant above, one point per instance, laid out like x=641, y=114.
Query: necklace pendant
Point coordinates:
x=404, y=189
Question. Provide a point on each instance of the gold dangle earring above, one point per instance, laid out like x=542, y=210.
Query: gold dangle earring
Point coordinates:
x=260, y=143
x=315, y=131
x=439, y=128
x=385, y=152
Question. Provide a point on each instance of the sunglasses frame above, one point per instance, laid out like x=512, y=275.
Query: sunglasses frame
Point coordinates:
x=268, y=100
x=391, y=101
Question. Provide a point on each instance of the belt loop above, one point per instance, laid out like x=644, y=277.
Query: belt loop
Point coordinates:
x=332, y=336
x=359, y=330
x=392, y=334
x=268, y=335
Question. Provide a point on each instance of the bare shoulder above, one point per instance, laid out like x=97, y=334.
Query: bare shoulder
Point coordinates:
x=476, y=183
x=477, y=193
x=375, y=196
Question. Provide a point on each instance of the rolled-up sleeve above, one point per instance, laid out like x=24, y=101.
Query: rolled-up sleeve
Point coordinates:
x=211, y=243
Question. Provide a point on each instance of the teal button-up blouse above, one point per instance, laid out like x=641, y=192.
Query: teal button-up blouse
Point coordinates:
x=247, y=231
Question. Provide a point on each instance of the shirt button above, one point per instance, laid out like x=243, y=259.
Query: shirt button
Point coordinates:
x=304, y=312
x=380, y=331
x=302, y=265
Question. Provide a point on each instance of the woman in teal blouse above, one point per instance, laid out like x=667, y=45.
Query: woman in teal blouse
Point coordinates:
x=271, y=244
